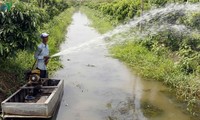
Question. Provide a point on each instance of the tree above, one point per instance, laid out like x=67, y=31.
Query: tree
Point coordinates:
x=19, y=29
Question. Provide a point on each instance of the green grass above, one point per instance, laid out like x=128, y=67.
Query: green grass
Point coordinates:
x=151, y=66
x=141, y=60
x=100, y=22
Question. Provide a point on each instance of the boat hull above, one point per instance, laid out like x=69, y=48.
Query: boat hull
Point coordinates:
x=15, y=106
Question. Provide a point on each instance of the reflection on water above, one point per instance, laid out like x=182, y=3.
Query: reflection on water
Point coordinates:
x=154, y=93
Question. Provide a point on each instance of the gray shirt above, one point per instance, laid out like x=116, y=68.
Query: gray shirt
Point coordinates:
x=43, y=50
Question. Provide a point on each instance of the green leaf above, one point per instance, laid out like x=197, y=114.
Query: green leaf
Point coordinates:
x=1, y=31
x=21, y=16
x=1, y=49
x=2, y=13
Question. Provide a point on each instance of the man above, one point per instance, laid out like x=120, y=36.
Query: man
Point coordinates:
x=42, y=56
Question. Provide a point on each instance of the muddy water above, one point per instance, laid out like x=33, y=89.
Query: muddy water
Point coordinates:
x=99, y=87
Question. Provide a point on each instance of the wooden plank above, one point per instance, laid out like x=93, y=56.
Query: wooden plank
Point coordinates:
x=24, y=109
x=20, y=116
x=42, y=99
x=45, y=87
x=55, y=97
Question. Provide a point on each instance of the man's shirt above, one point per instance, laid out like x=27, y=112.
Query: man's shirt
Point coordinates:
x=43, y=50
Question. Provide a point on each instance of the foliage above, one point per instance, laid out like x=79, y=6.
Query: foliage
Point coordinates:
x=19, y=26
x=102, y=25
x=119, y=10
x=52, y=7
x=123, y=10
x=192, y=19
x=145, y=62
x=19, y=29
x=24, y=59
x=55, y=7
x=158, y=2
x=166, y=38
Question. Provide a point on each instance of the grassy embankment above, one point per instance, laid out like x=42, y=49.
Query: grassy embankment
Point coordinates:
x=99, y=21
x=12, y=70
x=152, y=66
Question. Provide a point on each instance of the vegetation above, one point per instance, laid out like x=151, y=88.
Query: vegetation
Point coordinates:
x=118, y=10
x=20, y=31
x=158, y=67
x=20, y=26
x=103, y=24
x=170, y=55
x=124, y=10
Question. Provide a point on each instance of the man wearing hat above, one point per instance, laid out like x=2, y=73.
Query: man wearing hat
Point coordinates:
x=42, y=56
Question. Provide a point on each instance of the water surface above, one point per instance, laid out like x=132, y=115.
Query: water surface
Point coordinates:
x=99, y=87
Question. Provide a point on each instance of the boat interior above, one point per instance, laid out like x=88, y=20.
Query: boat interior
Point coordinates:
x=35, y=94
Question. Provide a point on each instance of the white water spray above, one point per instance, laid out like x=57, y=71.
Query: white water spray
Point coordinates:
x=159, y=14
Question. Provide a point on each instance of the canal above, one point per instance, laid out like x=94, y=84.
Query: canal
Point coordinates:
x=99, y=87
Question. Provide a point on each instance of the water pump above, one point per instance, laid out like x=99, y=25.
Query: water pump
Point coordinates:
x=34, y=77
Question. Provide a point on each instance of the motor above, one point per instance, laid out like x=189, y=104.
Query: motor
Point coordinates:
x=34, y=82
x=34, y=77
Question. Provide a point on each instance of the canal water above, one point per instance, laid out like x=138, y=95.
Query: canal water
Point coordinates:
x=99, y=87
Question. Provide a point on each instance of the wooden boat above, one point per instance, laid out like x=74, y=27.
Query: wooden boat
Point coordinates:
x=43, y=105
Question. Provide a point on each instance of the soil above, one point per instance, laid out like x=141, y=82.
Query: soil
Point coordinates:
x=8, y=84
x=2, y=97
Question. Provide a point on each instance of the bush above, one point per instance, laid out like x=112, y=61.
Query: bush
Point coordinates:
x=19, y=29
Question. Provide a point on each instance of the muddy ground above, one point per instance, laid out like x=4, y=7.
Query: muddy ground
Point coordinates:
x=8, y=84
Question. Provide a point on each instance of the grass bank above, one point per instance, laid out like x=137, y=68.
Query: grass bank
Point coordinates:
x=151, y=66
x=12, y=70
x=99, y=21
